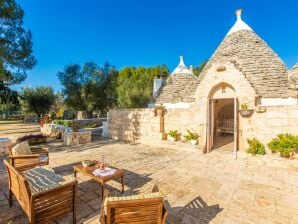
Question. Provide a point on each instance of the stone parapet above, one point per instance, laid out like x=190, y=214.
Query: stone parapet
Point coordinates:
x=75, y=138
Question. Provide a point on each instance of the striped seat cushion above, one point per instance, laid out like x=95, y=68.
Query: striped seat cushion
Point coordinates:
x=136, y=197
x=132, y=197
x=42, y=178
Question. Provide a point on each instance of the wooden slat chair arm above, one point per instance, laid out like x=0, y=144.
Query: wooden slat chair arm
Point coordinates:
x=24, y=162
x=43, y=152
x=40, y=150
x=24, y=156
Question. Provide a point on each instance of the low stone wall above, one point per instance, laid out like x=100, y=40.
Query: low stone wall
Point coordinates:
x=266, y=126
x=140, y=125
x=75, y=138
x=53, y=130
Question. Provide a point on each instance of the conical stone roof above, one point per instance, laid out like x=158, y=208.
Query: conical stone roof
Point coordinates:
x=261, y=66
x=293, y=77
x=180, y=86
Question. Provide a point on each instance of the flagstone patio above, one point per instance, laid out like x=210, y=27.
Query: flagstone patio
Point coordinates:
x=212, y=188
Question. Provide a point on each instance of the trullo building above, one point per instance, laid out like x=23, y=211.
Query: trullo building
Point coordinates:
x=244, y=91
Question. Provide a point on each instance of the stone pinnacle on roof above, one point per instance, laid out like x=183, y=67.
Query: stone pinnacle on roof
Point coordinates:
x=239, y=24
x=182, y=68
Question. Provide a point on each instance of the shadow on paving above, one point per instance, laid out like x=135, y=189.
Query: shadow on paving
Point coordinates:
x=195, y=212
x=132, y=180
x=55, y=145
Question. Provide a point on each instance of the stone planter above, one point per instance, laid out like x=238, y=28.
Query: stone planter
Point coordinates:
x=194, y=142
x=260, y=109
x=171, y=138
x=75, y=138
x=246, y=113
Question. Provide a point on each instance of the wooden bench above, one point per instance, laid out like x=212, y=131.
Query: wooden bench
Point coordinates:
x=44, y=206
x=224, y=126
x=145, y=209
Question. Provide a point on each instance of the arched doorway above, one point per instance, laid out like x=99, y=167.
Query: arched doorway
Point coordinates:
x=222, y=118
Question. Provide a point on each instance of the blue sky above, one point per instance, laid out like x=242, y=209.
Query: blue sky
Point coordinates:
x=147, y=32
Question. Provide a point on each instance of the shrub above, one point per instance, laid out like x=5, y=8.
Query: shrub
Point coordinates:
x=286, y=144
x=255, y=147
x=33, y=139
x=191, y=136
x=66, y=123
x=173, y=133
x=91, y=125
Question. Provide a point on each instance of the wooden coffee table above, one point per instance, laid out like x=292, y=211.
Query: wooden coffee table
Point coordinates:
x=102, y=180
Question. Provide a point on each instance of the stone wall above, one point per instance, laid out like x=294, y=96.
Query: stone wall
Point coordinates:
x=75, y=138
x=265, y=126
x=141, y=125
x=133, y=125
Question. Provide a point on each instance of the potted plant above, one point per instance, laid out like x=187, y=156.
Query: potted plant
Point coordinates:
x=159, y=110
x=173, y=135
x=286, y=144
x=245, y=111
x=192, y=137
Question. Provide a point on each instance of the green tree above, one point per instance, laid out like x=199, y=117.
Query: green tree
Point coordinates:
x=198, y=69
x=38, y=100
x=15, y=49
x=135, y=85
x=90, y=87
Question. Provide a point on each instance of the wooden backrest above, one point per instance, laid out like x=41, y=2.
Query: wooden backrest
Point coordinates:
x=18, y=185
x=10, y=148
x=145, y=211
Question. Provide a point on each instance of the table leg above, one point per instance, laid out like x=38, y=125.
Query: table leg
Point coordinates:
x=122, y=180
x=75, y=173
x=102, y=190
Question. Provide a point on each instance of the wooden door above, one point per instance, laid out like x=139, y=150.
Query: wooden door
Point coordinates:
x=209, y=125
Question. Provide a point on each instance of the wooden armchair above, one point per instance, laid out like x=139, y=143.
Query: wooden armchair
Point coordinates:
x=35, y=156
x=44, y=206
x=145, y=209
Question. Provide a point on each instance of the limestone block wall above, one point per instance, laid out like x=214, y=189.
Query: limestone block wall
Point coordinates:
x=265, y=126
x=75, y=138
x=133, y=125
x=140, y=125
x=183, y=120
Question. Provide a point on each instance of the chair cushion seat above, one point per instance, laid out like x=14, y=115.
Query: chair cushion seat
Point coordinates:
x=42, y=178
x=43, y=159
x=136, y=197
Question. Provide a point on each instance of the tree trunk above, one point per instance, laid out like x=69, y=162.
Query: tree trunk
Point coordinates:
x=89, y=114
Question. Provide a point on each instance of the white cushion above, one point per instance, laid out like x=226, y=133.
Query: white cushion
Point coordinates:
x=43, y=158
x=21, y=148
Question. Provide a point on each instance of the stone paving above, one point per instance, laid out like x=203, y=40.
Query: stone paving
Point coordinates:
x=213, y=188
